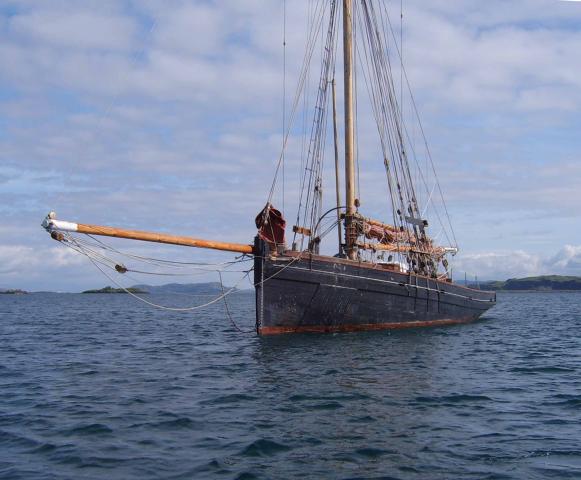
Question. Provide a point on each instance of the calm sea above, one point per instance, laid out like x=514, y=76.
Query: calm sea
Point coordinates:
x=104, y=387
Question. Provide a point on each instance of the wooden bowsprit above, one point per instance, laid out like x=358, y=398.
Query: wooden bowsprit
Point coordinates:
x=56, y=227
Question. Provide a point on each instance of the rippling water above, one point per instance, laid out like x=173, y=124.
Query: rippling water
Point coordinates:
x=101, y=386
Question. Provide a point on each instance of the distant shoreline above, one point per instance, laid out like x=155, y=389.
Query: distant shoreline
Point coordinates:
x=125, y=291
x=540, y=290
x=543, y=283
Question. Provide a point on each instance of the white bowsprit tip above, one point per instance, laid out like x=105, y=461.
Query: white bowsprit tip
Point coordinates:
x=46, y=223
x=51, y=224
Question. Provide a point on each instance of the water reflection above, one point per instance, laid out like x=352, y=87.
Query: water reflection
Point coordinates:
x=387, y=364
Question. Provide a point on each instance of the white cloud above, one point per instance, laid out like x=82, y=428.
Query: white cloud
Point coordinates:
x=500, y=266
x=75, y=30
x=494, y=67
x=567, y=260
x=192, y=29
x=21, y=260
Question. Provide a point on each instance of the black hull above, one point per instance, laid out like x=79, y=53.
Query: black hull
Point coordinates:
x=309, y=293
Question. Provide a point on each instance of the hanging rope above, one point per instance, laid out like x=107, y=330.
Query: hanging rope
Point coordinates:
x=197, y=266
x=100, y=261
x=228, y=314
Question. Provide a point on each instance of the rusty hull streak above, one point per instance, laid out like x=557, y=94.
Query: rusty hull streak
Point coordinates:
x=362, y=327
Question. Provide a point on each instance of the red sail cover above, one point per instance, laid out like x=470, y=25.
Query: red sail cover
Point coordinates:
x=271, y=225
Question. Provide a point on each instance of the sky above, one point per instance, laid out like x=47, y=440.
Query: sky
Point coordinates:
x=168, y=116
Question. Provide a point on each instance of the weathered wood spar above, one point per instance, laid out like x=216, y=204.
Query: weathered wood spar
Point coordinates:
x=53, y=225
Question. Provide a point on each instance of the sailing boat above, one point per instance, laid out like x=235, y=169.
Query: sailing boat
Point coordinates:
x=300, y=289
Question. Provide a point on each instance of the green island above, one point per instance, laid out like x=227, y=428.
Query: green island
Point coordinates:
x=208, y=288
x=541, y=283
x=115, y=290
x=13, y=291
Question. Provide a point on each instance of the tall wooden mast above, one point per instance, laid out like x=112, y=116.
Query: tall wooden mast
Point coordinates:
x=350, y=232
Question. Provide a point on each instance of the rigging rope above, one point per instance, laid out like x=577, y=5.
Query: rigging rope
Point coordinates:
x=394, y=135
x=163, y=262
x=311, y=42
x=422, y=132
x=163, y=307
x=98, y=260
x=310, y=199
x=228, y=314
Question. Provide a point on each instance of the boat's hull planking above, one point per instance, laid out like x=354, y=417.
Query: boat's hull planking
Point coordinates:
x=309, y=293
